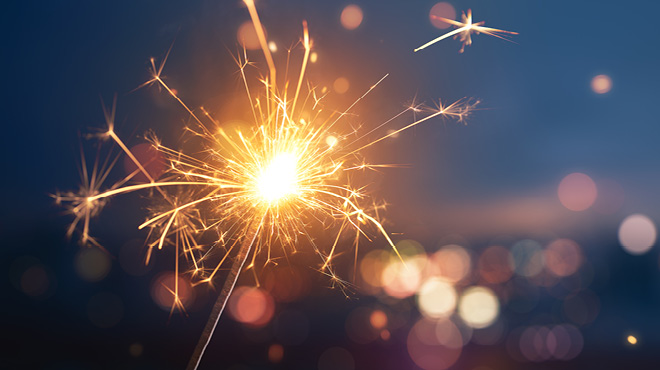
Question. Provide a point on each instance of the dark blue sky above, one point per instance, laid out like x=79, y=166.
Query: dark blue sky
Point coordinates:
x=539, y=121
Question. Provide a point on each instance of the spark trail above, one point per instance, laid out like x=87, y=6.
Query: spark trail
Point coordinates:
x=465, y=30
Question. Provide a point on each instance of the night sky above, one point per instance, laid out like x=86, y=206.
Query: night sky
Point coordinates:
x=493, y=180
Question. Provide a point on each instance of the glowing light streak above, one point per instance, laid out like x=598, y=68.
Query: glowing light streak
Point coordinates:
x=465, y=30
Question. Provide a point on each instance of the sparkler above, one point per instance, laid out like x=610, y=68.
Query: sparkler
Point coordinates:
x=465, y=30
x=255, y=188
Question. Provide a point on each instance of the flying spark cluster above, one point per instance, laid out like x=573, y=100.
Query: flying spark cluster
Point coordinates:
x=464, y=31
x=268, y=184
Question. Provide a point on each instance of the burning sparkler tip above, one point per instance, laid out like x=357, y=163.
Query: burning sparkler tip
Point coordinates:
x=258, y=187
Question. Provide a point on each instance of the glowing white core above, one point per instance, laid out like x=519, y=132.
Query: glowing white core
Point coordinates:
x=279, y=178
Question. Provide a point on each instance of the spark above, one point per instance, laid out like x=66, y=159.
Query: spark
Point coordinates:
x=254, y=189
x=270, y=176
x=465, y=30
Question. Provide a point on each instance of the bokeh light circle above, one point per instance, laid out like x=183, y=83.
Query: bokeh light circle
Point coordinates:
x=378, y=319
x=577, y=192
x=402, y=279
x=576, y=343
x=444, y=10
x=452, y=262
x=496, y=265
x=34, y=281
x=529, y=342
x=247, y=36
x=251, y=306
x=30, y=276
x=601, y=84
x=33, y=278
x=434, y=345
x=92, y=264
x=563, y=257
x=540, y=343
x=351, y=17
x=528, y=257
x=436, y=298
x=275, y=353
x=341, y=85
x=637, y=234
x=372, y=266
x=478, y=307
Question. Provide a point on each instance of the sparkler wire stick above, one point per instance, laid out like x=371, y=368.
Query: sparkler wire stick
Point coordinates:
x=225, y=293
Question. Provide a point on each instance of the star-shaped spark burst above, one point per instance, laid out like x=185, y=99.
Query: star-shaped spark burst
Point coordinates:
x=260, y=187
x=465, y=30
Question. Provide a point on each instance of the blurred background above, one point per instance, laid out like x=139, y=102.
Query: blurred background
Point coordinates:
x=529, y=229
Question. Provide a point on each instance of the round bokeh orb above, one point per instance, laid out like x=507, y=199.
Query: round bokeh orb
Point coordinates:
x=637, y=234
x=478, y=307
x=601, y=84
x=442, y=10
x=577, y=192
x=351, y=17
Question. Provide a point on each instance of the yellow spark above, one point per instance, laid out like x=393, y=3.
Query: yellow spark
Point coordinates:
x=277, y=177
x=465, y=30
x=254, y=189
